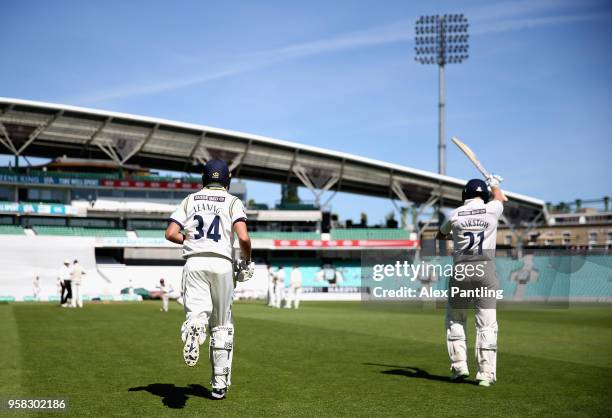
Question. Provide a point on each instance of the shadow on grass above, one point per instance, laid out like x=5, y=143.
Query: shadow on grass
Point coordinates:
x=173, y=396
x=416, y=372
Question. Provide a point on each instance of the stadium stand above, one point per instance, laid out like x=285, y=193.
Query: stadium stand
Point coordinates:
x=285, y=235
x=159, y=233
x=370, y=233
x=150, y=233
x=78, y=231
x=11, y=230
x=296, y=206
x=313, y=275
x=75, y=175
x=27, y=257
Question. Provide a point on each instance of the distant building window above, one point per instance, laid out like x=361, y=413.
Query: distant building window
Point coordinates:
x=110, y=193
x=609, y=237
x=593, y=237
x=84, y=194
x=45, y=195
x=508, y=239
x=162, y=195
x=135, y=194
x=6, y=194
x=567, y=238
x=548, y=242
x=93, y=222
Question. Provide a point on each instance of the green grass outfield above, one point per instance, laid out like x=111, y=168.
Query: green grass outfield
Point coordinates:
x=324, y=359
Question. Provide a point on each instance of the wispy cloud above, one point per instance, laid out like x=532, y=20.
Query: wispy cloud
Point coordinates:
x=401, y=31
x=529, y=23
x=500, y=17
x=392, y=33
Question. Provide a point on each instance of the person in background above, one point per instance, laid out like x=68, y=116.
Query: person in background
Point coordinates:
x=76, y=274
x=271, y=279
x=295, y=288
x=59, y=284
x=279, y=287
x=65, y=280
x=36, y=288
x=165, y=291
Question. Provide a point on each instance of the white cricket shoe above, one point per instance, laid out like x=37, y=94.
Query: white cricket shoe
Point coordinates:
x=459, y=374
x=485, y=383
x=191, y=349
x=218, y=394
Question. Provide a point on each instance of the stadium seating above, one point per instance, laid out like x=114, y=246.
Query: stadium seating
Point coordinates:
x=313, y=276
x=150, y=233
x=67, y=174
x=102, y=176
x=159, y=233
x=11, y=230
x=370, y=233
x=284, y=235
x=78, y=231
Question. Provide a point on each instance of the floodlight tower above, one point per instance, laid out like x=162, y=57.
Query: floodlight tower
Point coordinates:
x=441, y=39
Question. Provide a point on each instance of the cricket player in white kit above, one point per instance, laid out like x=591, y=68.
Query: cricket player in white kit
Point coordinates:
x=208, y=220
x=279, y=287
x=165, y=290
x=473, y=229
x=295, y=288
x=77, y=273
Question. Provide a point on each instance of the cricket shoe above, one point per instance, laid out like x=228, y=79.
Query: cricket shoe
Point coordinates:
x=459, y=375
x=218, y=394
x=193, y=336
x=485, y=383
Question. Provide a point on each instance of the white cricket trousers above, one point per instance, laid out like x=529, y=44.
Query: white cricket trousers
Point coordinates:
x=208, y=291
x=77, y=297
x=165, y=300
x=485, y=321
x=279, y=288
x=293, y=297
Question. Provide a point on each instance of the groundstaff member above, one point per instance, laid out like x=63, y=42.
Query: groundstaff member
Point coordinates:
x=473, y=229
x=208, y=220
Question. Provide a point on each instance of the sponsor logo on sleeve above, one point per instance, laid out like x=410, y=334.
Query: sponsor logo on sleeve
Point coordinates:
x=209, y=198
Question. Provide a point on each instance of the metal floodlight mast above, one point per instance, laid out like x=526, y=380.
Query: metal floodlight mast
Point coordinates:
x=441, y=39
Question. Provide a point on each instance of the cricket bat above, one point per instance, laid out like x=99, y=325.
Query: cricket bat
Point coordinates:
x=472, y=157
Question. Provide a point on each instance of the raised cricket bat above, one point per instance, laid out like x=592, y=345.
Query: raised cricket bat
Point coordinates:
x=472, y=157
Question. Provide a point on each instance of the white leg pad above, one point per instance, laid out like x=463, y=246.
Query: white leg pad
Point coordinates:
x=221, y=352
x=486, y=352
x=456, y=344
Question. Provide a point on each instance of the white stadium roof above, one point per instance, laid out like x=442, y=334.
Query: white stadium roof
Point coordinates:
x=51, y=130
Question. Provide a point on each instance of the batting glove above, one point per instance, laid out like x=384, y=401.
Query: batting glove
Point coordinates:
x=494, y=180
x=244, y=270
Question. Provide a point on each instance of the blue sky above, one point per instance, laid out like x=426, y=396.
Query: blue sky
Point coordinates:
x=534, y=98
